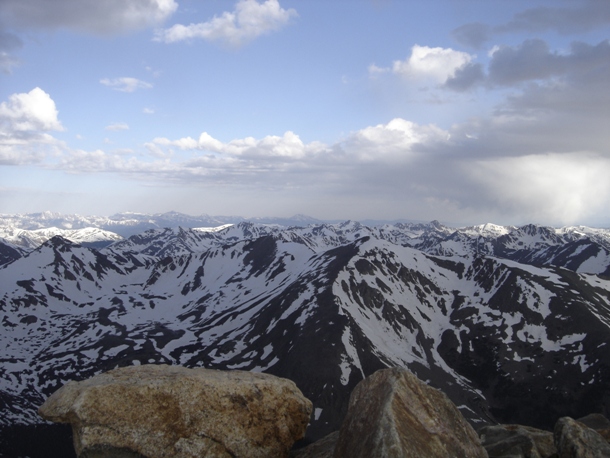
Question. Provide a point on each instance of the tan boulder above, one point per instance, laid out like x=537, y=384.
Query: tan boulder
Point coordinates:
x=394, y=414
x=171, y=411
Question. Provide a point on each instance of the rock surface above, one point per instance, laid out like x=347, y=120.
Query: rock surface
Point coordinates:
x=170, y=411
x=393, y=414
x=576, y=440
x=323, y=448
x=599, y=423
x=517, y=441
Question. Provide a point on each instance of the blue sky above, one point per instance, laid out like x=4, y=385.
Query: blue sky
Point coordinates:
x=459, y=110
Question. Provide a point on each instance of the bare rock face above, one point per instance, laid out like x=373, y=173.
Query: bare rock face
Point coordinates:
x=170, y=411
x=516, y=441
x=576, y=440
x=393, y=414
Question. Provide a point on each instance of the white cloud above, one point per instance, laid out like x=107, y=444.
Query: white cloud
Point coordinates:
x=25, y=120
x=248, y=21
x=125, y=84
x=289, y=146
x=183, y=143
x=32, y=111
x=94, y=16
x=207, y=142
x=437, y=64
x=394, y=140
x=375, y=71
x=117, y=126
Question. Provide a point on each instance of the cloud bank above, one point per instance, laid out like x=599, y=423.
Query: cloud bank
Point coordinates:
x=421, y=169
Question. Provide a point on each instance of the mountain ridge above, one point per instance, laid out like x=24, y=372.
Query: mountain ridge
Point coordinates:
x=509, y=325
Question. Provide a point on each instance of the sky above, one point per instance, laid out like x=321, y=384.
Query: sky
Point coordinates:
x=461, y=111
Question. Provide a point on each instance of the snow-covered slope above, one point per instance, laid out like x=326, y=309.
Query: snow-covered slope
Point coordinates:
x=129, y=223
x=580, y=248
x=324, y=305
x=30, y=239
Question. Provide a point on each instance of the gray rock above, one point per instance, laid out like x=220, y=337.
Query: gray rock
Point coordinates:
x=595, y=421
x=576, y=440
x=599, y=423
x=394, y=414
x=322, y=448
x=516, y=441
x=159, y=411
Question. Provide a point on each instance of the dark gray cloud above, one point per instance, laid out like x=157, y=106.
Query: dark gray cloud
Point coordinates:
x=93, y=16
x=9, y=41
x=589, y=15
x=529, y=61
x=585, y=66
x=584, y=70
x=474, y=34
x=466, y=77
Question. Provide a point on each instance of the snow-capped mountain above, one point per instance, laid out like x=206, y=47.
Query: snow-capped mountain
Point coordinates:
x=28, y=239
x=512, y=323
x=129, y=223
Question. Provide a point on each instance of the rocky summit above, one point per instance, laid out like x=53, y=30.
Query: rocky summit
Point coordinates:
x=160, y=411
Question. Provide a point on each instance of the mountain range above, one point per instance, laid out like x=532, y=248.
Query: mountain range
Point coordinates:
x=513, y=323
x=130, y=223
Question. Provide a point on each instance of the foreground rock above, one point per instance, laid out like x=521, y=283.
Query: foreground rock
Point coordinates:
x=324, y=448
x=170, y=411
x=516, y=441
x=599, y=423
x=576, y=440
x=393, y=414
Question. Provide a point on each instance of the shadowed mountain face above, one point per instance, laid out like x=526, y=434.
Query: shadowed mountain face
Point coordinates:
x=474, y=313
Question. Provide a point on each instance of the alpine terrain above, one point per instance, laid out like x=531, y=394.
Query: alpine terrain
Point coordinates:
x=513, y=323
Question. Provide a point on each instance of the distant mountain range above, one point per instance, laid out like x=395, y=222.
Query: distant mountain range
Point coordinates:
x=128, y=224
x=513, y=323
